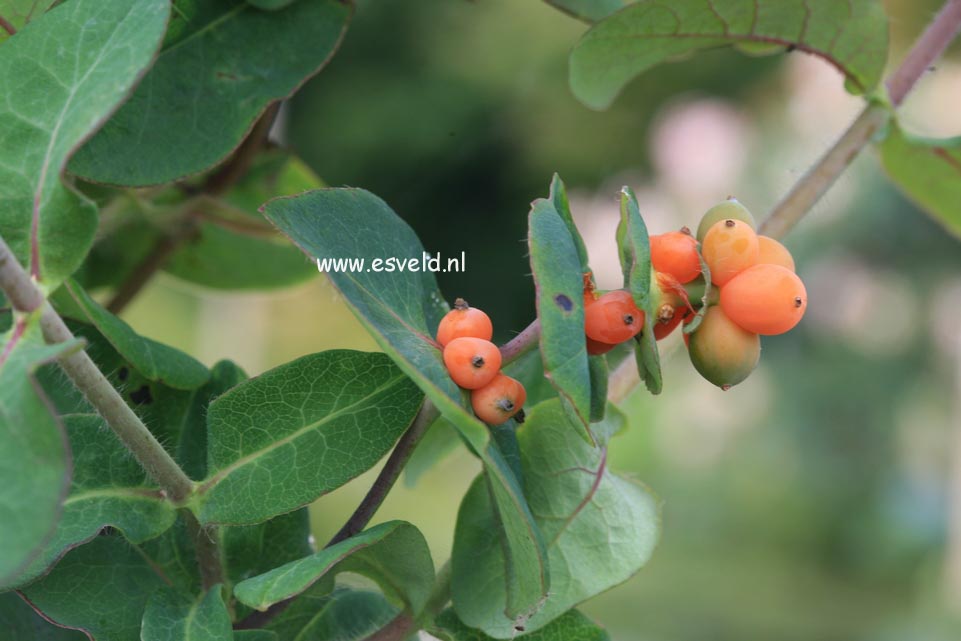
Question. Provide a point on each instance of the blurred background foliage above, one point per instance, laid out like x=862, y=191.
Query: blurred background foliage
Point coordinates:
x=819, y=500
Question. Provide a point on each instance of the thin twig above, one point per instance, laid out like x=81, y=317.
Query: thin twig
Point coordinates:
x=6, y=26
x=208, y=550
x=813, y=185
x=389, y=474
x=522, y=343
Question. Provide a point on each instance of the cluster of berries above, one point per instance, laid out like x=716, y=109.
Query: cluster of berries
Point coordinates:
x=759, y=295
x=759, y=292
x=474, y=363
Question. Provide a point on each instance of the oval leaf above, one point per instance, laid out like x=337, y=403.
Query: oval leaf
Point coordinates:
x=60, y=78
x=577, y=502
x=634, y=250
x=218, y=71
x=851, y=35
x=394, y=554
x=559, y=290
x=928, y=171
x=34, y=454
x=298, y=431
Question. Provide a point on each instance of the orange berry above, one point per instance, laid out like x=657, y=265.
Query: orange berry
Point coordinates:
x=730, y=208
x=613, y=318
x=722, y=352
x=464, y=320
x=596, y=348
x=765, y=299
x=771, y=252
x=472, y=362
x=729, y=248
x=675, y=253
x=499, y=400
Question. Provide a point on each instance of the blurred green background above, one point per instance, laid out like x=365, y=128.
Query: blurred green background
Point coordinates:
x=821, y=499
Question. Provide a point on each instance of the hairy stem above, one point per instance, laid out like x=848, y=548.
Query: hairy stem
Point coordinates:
x=26, y=297
x=522, y=343
x=207, y=547
x=829, y=168
x=86, y=376
x=217, y=183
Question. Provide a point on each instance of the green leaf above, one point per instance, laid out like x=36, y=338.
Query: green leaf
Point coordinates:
x=599, y=379
x=157, y=362
x=100, y=588
x=852, y=36
x=109, y=488
x=173, y=616
x=394, y=554
x=15, y=14
x=589, y=10
x=558, y=198
x=60, y=78
x=345, y=615
x=252, y=550
x=928, y=171
x=570, y=626
x=22, y=623
x=218, y=72
x=559, y=289
x=34, y=455
x=600, y=527
x=331, y=417
x=401, y=309
x=634, y=251
x=705, y=282
x=255, y=635
x=235, y=248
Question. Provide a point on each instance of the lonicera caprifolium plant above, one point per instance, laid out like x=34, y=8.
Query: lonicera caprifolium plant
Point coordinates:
x=146, y=496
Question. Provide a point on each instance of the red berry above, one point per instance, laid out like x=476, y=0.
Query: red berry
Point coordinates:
x=613, y=318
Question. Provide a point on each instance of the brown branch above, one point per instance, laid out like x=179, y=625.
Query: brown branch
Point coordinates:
x=389, y=474
x=6, y=26
x=522, y=343
x=815, y=183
